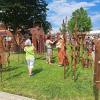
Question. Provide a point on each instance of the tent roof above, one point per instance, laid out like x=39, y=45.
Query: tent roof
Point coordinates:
x=94, y=32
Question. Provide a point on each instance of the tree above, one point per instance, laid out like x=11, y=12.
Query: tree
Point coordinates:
x=23, y=13
x=83, y=21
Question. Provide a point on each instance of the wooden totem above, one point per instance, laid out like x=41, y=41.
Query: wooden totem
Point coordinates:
x=38, y=38
x=75, y=51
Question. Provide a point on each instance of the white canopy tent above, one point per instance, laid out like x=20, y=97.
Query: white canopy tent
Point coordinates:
x=95, y=32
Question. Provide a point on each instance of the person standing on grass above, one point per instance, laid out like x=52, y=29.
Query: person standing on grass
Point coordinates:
x=29, y=49
x=62, y=56
x=49, y=49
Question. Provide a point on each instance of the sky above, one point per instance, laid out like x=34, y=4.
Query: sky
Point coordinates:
x=59, y=9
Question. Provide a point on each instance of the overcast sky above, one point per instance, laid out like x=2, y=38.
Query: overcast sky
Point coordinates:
x=59, y=9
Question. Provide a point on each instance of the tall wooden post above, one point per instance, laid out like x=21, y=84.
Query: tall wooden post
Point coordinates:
x=97, y=69
x=1, y=56
x=75, y=48
x=65, y=59
x=64, y=67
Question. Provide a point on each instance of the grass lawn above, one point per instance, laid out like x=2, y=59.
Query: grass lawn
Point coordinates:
x=48, y=82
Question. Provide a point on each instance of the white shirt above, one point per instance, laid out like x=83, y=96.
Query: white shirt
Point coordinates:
x=48, y=43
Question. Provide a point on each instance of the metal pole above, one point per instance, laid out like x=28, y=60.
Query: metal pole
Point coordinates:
x=1, y=71
x=74, y=68
x=64, y=67
x=1, y=67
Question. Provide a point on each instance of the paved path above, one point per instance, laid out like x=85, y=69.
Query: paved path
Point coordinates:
x=7, y=96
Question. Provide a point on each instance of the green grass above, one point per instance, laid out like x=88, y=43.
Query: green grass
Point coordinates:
x=48, y=82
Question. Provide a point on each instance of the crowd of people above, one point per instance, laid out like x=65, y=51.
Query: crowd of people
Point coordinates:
x=60, y=44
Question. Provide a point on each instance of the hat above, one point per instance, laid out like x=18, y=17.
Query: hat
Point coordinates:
x=28, y=42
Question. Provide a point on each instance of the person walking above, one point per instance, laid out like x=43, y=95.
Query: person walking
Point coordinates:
x=29, y=49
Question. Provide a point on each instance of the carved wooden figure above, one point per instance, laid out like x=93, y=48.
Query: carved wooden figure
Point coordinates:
x=38, y=38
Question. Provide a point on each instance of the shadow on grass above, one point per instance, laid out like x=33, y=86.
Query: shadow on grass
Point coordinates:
x=53, y=59
x=41, y=58
x=6, y=69
x=36, y=71
x=12, y=76
x=38, y=57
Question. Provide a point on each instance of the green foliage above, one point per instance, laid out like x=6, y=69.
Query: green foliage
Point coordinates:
x=24, y=13
x=83, y=21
